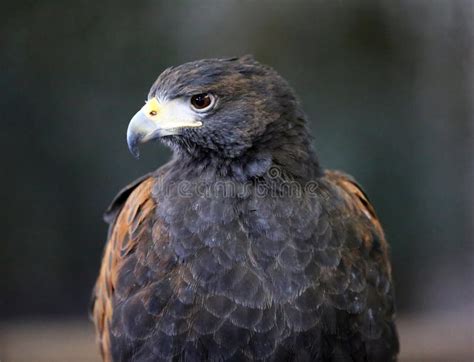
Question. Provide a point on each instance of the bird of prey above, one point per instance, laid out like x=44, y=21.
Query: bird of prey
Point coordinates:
x=242, y=247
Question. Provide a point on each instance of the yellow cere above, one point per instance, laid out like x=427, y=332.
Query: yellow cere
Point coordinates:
x=151, y=108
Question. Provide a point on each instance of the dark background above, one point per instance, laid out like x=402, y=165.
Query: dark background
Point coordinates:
x=388, y=87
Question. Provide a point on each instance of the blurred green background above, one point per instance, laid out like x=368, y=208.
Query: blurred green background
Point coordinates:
x=388, y=87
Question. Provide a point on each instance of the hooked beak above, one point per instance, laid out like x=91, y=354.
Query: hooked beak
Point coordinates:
x=156, y=120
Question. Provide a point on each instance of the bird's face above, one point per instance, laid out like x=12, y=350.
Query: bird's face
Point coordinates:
x=215, y=105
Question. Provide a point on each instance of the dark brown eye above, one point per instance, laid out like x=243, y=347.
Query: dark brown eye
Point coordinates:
x=203, y=101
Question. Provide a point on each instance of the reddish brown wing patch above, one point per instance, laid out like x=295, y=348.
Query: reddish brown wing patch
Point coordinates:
x=359, y=204
x=123, y=238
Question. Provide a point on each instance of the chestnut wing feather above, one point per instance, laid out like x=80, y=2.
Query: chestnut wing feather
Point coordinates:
x=368, y=299
x=131, y=220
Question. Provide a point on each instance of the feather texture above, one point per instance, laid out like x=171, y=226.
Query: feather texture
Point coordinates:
x=248, y=285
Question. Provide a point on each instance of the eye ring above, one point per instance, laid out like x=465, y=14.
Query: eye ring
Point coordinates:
x=202, y=102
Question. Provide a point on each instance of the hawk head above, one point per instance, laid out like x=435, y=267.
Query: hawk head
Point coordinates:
x=224, y=108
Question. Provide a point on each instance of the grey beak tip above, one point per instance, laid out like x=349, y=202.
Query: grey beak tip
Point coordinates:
x=133, y=141
x=136, y=153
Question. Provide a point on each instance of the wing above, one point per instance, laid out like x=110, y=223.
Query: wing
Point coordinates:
x=361, y=287
x=131, y=218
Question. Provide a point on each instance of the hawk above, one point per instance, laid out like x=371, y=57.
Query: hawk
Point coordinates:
x=242, y=247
